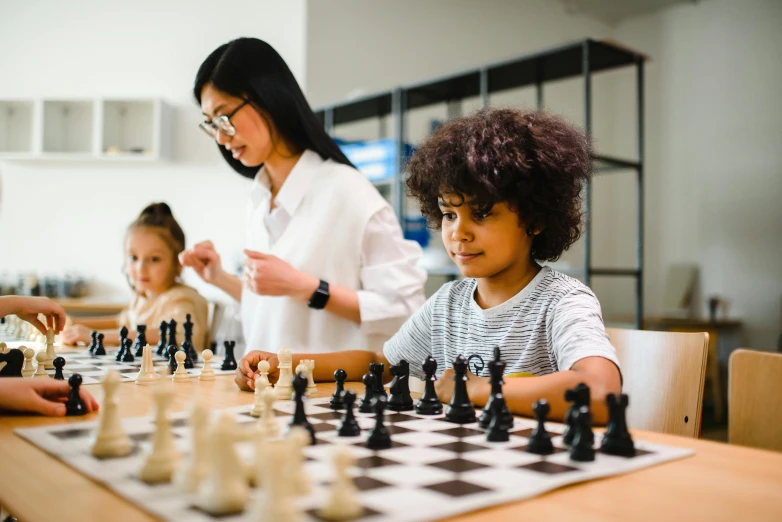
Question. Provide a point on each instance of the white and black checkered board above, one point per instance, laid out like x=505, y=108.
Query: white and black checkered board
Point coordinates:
x=435, y=468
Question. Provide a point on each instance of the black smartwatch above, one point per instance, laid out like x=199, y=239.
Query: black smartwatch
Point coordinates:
x=320, y=297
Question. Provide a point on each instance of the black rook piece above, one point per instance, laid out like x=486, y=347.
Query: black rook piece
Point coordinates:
x=498, y=428
x=74, y=405
x=336, y=402
x=187, y=348
x=94, y=343
x=229, y=362
x=617, y=440
x=299, y=417
x=496, y=371
x=99, y=349
x=579, y=396
x=400, y=399
x=141, y=339
x=123, y=334
x=540, y=441
x=582, y=449
x=14, y=362
x=162, y=343
x=429, y=404
x=369, y=385
x=188, y=328
x=377, y=370
x=460, y=408
x=59, y=363
x=379, y=438
x=349, y=426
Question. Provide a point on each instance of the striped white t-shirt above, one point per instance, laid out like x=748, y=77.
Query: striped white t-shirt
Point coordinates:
x=547, y=327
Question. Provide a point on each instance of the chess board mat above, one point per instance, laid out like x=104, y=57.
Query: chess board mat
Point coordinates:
x=434, y=469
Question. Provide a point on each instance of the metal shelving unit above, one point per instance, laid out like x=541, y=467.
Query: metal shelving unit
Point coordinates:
x=578, y=59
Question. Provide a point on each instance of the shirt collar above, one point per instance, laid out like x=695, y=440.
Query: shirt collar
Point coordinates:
x=295, y=186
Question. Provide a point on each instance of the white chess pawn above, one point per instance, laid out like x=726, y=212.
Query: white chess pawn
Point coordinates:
x=28, y=370
x=284, y=388
x=312, y=389
x=147, y=375
x=180, y=375
x=207, y=373
x=263, y=373
x=342, y=503
x=111, y=440
x=258, y=404
x=268, y=422
x=40, y=370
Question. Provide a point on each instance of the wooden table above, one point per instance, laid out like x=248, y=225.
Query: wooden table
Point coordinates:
x=720, y=482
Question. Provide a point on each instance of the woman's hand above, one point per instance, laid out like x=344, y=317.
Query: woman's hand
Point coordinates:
x=266, y=274
x=248, y=367
x=44, y=396
x=75, y=334
x=204, y=259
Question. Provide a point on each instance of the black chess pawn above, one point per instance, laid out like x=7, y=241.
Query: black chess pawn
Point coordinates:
x=186, y=347
x=399, y=399
x=172, y=362
x=460, y=409
x=188, y=328
x=59, y=363
x=378, y=389
x=99, y=349
x=128, y=352
x=299, y=416
x=229, y=362
x=123, y=334
x=336, y=402
x=616, y=439
x=582, y=449
x=94, y=342
x=379, y=437
x=369, y=385
x=349, y=426
x=162, y=345
x=496, y=371
x=429, y=403
x=579, y=396
x=172, y=333
x=141, y=339
x=74, y=405
x=540, y=440
x=498, y=428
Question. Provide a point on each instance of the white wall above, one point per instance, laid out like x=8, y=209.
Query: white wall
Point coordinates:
x=62, y=216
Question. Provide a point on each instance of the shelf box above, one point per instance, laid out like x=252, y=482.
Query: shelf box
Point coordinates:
x=128, y=128
x=67, y=126
x=16, y=126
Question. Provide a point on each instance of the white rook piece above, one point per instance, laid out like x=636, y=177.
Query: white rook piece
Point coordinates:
x=161, y=462
x=284, y=388
x=111, y=440
x=147, y=374
x=207, y=373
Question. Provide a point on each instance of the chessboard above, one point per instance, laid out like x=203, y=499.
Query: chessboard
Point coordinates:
x=434, y=469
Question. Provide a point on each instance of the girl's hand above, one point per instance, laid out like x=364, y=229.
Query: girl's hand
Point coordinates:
x=44, y=396
x=204, y=259
x=248, y=367
x=75, y=334
x=266, y=274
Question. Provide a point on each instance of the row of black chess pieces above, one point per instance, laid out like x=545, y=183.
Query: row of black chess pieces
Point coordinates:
x=167, y=345
x=495, y=418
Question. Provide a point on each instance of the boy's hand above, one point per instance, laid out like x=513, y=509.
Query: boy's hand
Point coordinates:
x=28, y=309
x=76, y=333
x=44, y=396
x=248, y=367
x=444, y=385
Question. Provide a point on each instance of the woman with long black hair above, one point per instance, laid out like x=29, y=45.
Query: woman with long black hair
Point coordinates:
x=326, y=266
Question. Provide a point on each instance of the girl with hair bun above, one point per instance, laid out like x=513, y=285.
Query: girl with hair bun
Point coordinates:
x=152, y=246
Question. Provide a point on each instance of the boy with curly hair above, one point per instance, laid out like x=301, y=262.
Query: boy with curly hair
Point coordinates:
x=504, y=187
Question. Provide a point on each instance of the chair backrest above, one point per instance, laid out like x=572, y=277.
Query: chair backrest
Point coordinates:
x=216, y=311
x=663, y=375
x=755, y=399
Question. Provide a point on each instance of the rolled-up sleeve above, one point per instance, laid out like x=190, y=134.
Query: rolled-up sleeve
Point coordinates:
x=392, y=285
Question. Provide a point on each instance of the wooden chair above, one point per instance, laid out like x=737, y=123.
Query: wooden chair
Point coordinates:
x=755, y=399
x=663, y=376
x=216, y=311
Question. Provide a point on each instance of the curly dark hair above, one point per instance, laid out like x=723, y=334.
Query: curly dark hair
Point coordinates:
x=534, y=161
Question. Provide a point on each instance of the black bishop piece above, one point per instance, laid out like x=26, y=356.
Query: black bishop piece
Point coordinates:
x=141, y=339
x=616, y=439
x=172, y=334
x=74, y=405
x=369, y=386
x=399, y=398
x=162, y=345
x=460, y=409
x=429, y=403
x=94, y=342
x=123, y=334
x=188, y=328
x=336, y=402
x=299, y=417
x=349, y=425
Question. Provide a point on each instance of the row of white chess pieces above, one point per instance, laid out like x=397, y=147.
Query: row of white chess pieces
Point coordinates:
x=217, y=480
x=23, y=330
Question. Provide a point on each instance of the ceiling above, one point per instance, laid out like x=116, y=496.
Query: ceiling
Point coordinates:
x=613, y=11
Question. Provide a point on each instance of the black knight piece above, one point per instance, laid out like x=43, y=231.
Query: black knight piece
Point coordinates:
x=162, y=345
x=582, y=449
x=616, y=439
x=94, y=342
x=299, y=417
x=379, y=437
x=172, y=333
x=377, y=370
x=59, y=363
x=229, y=362
x=123, y=334
x=11, y=363
x=540, y=440
x=369, y=386
x=99, y=349
x=498, y=428
x=460, y=409
x=399, y=399
x=336, y=402
x=579, y=396
x=349, y=425
x=496, y=371
x=186, y=347
x=429, y=403
x=141, y=340
x=188, y=328
x=74, y=405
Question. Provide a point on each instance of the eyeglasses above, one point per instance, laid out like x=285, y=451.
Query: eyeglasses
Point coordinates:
x=221, y=123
